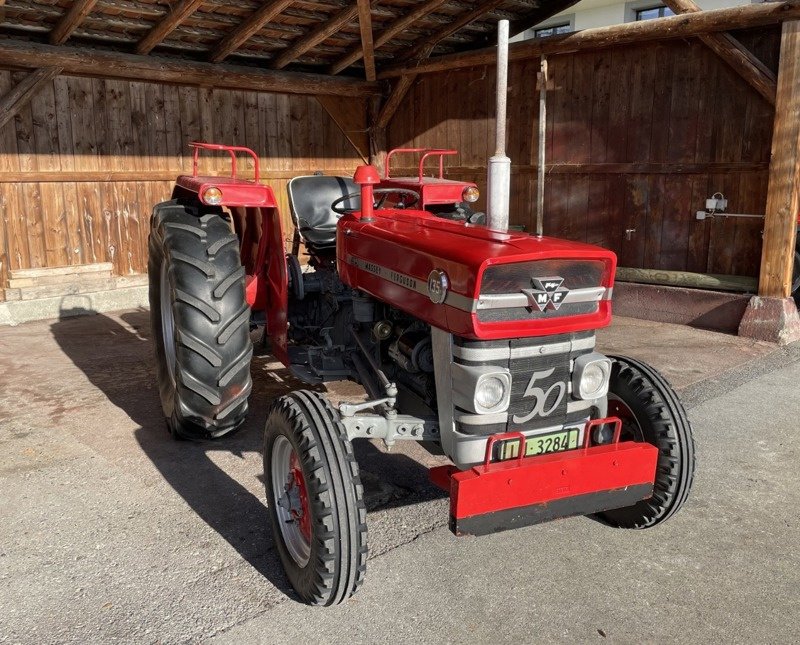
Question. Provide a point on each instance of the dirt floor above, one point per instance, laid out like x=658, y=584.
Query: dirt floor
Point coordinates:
x=112, y=532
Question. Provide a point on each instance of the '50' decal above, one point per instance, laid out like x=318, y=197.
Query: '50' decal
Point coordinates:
x=541, y=396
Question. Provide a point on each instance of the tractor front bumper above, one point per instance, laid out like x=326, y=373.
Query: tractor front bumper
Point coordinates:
x=501, y=495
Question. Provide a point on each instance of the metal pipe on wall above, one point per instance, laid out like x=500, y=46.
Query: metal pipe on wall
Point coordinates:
x=542, y=135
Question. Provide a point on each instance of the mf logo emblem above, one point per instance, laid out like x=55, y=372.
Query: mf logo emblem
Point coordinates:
x=540, y=396
x=546, y=291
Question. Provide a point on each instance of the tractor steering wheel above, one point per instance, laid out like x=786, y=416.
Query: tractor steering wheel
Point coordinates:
x=385, y=192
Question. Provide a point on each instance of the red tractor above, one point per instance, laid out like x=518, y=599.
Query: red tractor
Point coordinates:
x=477, y=343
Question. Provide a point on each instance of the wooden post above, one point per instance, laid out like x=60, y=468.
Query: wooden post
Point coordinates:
x=783, y=193
x=772, y=315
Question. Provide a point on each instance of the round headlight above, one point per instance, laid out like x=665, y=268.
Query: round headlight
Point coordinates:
x=212, y=196
x=490, y=392
x=470, y=194
x=593, y=381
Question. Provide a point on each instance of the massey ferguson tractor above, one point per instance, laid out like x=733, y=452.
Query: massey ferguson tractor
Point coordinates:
x=474, y=340
x=477, y=343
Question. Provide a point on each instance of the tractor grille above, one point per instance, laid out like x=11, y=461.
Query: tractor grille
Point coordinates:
x=506, y=289
x=539, y=366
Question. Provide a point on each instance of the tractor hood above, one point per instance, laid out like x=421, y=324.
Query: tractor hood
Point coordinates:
x=475, y=282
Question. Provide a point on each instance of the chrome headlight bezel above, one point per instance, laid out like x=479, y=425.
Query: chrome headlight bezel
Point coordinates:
x=467, y=379
x=585, y=368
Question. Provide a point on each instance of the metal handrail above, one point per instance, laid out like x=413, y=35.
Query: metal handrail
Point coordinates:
x=428, y=152
x=231, y=150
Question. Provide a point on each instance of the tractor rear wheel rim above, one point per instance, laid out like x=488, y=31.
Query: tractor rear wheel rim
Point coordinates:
x=290, y=498
x=168, y=324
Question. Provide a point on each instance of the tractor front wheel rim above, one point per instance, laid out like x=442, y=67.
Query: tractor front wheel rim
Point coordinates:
x=290, y=497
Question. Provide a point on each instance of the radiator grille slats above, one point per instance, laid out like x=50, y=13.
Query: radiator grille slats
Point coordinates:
x=550, y=391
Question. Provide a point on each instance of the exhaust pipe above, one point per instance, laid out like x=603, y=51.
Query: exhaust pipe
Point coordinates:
x=499, y=172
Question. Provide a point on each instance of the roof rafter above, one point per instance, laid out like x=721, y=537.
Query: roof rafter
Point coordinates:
x=171, y=21
x=74, y=17
x=248, y=28
x=365, y=27
x=390, y=32
x=316, y=36
x=450, y=28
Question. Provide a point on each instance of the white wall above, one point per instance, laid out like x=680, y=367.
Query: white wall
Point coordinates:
x=587, y=14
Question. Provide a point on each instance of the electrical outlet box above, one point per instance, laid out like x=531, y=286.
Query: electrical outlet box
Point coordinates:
x=716, y=204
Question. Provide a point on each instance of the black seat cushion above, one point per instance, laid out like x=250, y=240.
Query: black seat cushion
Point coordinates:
x=310, y=200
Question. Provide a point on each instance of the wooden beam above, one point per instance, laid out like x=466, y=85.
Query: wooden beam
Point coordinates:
x=682, y=26
x=783, y=191
x=399, y=91
x=315, y=37
x=19, y=95
x=248, y=28
x=365, y=27
x=171, y=21
x=451, y=28
x=741, y=59
x=106, y=64
x=70, y=21
x=350, y=115
x=390, y=32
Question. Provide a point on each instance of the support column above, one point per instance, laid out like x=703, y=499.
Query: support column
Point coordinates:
x=772, y=315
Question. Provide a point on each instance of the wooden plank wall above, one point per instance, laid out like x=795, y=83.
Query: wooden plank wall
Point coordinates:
x=637, y=138
x=83, y=164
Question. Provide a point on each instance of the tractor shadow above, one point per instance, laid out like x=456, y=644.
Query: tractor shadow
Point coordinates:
x=104, y=349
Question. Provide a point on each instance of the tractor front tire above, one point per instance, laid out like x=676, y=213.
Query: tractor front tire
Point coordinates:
x=200, y=320
x=315, y=498
x=651, y=411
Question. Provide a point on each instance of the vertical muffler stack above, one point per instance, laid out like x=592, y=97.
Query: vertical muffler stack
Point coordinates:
x=499, y=175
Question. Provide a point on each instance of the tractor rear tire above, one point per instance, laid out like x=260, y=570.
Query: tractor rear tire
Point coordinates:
x=315, y=498
x=651, y=411
x=200, y=320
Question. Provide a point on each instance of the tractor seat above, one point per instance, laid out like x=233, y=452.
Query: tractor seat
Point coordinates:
x=310, y=199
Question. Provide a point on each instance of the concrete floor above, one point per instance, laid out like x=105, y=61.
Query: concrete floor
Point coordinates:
x=112, y=532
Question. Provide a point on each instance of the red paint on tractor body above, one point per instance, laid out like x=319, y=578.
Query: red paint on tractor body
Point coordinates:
x=526, y=486
x=414, y=243
x=432, y=190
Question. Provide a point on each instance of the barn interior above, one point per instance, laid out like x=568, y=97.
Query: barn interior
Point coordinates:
x=648, y=127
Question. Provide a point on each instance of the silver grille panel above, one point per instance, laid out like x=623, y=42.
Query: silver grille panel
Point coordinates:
x=540, y=381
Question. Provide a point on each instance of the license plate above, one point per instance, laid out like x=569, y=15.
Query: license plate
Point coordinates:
x=540, y=444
